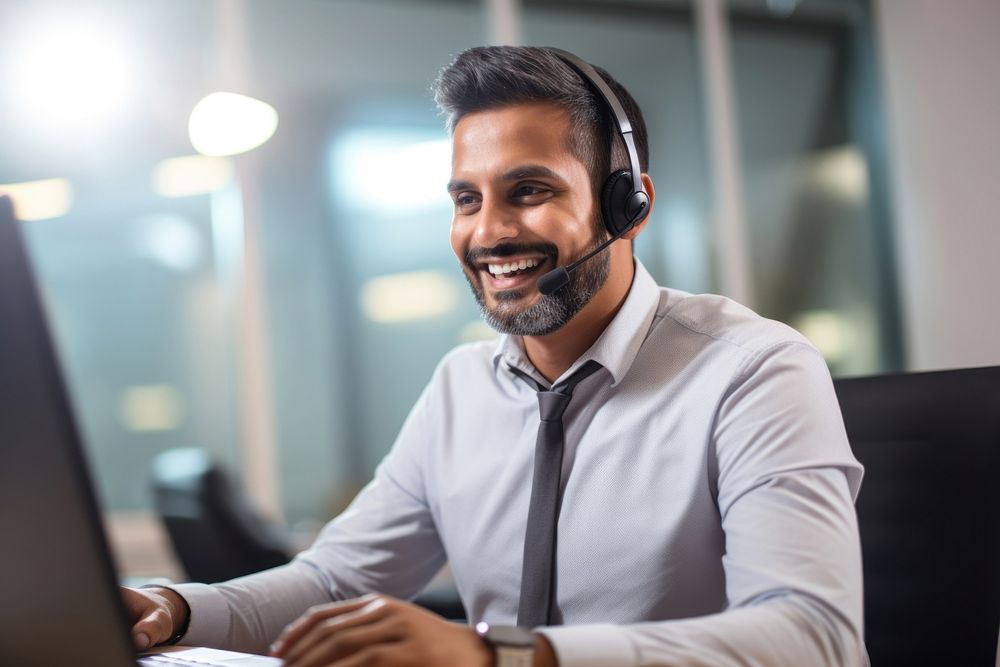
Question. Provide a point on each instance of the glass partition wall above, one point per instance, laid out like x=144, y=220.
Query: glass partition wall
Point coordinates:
x=335, y=230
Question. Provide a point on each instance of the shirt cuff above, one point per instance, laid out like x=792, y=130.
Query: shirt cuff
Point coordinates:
x=597, y=645
x=208, y=624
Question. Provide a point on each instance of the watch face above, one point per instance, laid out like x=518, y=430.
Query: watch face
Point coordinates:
x=506, y=635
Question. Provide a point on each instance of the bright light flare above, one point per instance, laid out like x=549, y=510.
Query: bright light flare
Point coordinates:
x=406, y=297
x=392, y=172
x=171, y=241
x=40, y=200
x=145, y=408
x=191, y=175
x=70, y=76
x=831, y=332
x=842, y=172
x=230, y=124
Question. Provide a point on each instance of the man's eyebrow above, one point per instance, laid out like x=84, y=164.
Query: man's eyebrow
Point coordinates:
x=515, y=174
x=454, y=186
x=529, y=171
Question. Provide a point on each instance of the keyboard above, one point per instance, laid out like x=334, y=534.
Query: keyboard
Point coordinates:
x=205, y=657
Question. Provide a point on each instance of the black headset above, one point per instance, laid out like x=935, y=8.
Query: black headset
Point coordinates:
x=624, y=202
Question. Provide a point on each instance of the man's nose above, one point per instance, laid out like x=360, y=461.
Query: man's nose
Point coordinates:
x=497, y=222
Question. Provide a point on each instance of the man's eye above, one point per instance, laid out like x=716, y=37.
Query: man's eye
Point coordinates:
x=465, y=201
x=531, y=193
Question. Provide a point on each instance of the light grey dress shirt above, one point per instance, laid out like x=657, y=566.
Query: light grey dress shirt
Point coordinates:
x=707, y=514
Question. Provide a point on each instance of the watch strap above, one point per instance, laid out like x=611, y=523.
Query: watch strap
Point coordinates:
x=511, y=656
x=512, y=646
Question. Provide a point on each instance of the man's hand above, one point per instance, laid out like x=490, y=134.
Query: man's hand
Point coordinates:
x=155, y=614
x=378, y=630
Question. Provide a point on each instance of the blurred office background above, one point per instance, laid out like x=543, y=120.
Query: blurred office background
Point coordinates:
x=828, y=162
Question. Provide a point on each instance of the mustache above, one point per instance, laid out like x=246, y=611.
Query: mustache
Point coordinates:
x=474, y=255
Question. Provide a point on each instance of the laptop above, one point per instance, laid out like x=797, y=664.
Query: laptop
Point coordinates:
x=59, y=599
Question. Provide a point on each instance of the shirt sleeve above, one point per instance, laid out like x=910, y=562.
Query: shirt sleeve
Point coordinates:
x=385, y=541
x=785, y=483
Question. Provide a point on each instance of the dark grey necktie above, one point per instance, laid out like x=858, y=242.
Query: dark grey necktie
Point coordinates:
x=538, y=568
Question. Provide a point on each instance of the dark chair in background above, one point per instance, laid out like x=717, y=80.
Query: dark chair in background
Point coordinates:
x=929, y=513
x=218, y=535
x=215, y=531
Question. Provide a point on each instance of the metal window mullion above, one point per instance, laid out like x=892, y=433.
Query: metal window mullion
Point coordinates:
x=729, y=226
x=503, y=22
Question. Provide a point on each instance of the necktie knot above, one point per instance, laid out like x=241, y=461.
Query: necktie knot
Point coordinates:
x=552, y=405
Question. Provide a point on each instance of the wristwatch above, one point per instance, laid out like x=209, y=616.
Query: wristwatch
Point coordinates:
x=512, y=646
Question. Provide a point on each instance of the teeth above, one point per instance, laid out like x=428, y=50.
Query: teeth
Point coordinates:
x=520, y=265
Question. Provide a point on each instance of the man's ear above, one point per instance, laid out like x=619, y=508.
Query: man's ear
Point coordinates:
x=647, y=183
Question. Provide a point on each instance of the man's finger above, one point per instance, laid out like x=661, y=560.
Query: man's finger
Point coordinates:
x=325, y=628
x=153, y=628
x=152, y=623
x=296, y=630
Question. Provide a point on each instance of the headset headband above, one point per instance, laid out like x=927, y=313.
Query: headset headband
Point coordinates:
x=585, y=70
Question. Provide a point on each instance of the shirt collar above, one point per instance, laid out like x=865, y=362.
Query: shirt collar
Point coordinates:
x=616, y=347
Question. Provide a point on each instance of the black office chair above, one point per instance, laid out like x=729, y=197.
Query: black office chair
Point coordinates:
x=929, y=513
x=218, y=535
x=215, y=531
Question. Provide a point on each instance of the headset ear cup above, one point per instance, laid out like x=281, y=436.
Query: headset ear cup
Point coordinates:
x=615, y=197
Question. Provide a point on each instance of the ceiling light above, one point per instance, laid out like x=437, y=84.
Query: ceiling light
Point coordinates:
x=70, y=76
x=229, y=124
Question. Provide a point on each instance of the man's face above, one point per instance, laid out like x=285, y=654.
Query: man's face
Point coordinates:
x=523, y=206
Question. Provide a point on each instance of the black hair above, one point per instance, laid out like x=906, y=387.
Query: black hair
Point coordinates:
x=492, y=77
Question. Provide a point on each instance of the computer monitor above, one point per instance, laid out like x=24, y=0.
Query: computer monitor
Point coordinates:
x=56, y=574
x=59, y=599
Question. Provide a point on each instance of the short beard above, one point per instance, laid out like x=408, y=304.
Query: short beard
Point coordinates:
x=552, y=311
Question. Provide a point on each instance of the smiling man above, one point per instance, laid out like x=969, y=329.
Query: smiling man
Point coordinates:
x=524, y=199
x=634, y=475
